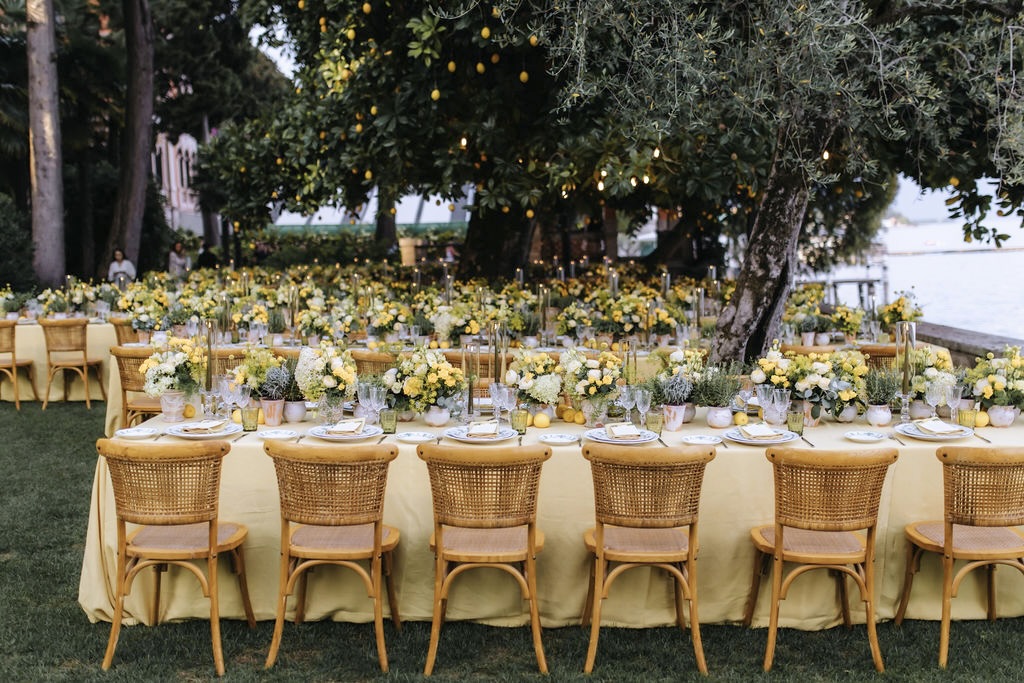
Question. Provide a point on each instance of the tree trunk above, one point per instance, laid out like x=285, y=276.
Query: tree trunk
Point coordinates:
x=385, y=236
x=496, y=244
x=611, y=233
x=751, y=319
x=137, y=141
x=44, y=145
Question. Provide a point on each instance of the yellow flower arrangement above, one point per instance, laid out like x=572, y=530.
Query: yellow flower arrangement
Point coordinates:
x=325, y=371
x=999, y=380
x=422, y=378
x=590, y=377
x=536, y=377
x=179, y=367
x=253, y=370
x=904, y=308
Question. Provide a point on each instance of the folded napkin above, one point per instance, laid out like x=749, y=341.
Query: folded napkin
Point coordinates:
x=936, y=426
x=622, y=430
x=759, y=431
x=204, y=427
x=483, y=428
x=351, y=426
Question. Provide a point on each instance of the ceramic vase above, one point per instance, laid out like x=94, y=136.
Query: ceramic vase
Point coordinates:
x=294, y=411
x=677, y=416
x=919, y=410
x=878, y=415
x=172, y=405
x=273, y=411
x=436, y=416
x=847, y=414
x=1001, y=416
x=719, y=417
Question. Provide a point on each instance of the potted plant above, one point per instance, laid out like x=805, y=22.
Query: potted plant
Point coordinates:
x=294, y=401
x=674, y=392
x=880, y=389
x=272, y=392
x=715, y=388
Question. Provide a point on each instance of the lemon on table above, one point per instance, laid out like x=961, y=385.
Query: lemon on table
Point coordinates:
x=529, y=420
x=740, y=419
x=190, y=411
x=560, y=410
x=569, y=415
x=981, y=419
x=580, y=418
x=541, y=421
x=236, y=416
x=261, y=419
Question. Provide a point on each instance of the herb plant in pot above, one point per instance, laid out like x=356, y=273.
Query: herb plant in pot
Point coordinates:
x=675, y=392
x=715, y=387
x=294, y=402
x=880, y=388
x=272, y=392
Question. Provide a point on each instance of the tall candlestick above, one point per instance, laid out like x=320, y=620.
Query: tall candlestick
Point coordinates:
x=519, y=277
x=572, y=268
x=666, y=283
x=209, y=354
x=700, y=304
x=472, y=372
x=561, y=274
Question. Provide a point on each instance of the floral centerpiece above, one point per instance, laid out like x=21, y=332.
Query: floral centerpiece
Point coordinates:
x=808, y=377
x=903, y=308
x=931, y=366
x=849, y=367
x=572, y=320
x=53, y=301
x=999, y=380
x=325, y=371
x=847, y=320
x=422, y=378
x=313, y=322
x=536, y=377
x=254, y=369
x=387, y=317
x=180, y=367
x=591, y=378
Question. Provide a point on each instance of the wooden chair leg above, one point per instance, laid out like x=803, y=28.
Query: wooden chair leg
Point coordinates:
x=115, y=623
x=538, y=644
x=218, y=652
x=595, y=612
x=913, y=564
x=238, y=567
x=990, y=575
x=698, y=645
x=760, y=567
x=435, y=622
x=378, y=612
x=678, y=590
x=947, y=596
x=844, y=598
x=773, y=617
x=300, y=597
x=588, y=604
x=396, y=617
x=282, y=604
x=154, y=610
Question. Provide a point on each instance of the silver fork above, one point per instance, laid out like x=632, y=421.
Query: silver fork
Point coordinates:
x=896, y=439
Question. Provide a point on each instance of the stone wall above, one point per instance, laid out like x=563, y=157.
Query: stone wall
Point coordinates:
x=964, y=345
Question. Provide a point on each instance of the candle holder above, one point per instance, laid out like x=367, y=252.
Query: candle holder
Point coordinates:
x=906, y=339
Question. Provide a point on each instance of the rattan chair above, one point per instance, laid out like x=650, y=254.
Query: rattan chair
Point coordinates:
x=172, y=492
x=372, y=362
x=332, y=506
x=67, y=351
x=983, y=503
x=822, y=498
x=126, y=334
x=485, y=515
x=226, y=360
x=9, y=363
x=135, y=404
x=645, y=505
x=880, y=356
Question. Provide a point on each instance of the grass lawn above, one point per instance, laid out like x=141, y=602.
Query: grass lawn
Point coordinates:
x=48, y=461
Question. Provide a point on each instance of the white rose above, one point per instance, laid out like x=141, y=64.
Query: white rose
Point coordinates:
x=594, y=375
x=329, y=382
x=677, y=356
x=758, y=376
x=819, y=368
x=593, y=363
x=511, y=377
x=824, y=383
x=801, y=385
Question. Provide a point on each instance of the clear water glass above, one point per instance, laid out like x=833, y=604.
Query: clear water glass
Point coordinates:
x=934, y=394
x=643, y=404
x=627, y=399
x=953, y=392
x=496, y=392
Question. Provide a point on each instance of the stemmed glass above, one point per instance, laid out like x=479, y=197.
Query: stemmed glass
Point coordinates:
x=778, y=406
x=508, y=400
x=627, y=399
x=934, y=393
x=363, y=396
x=953, y=392
x=643, y=404
x=497, y=393
x=376, y=398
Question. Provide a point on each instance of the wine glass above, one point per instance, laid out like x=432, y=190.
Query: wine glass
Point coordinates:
x=508, y=400
x=496, y=391
x=934, y=393
x=764, y=396
x=363, y=397
x=953, y=392
x=627, y=399
x=778, y=406
x=643, y=404
x=376, y=399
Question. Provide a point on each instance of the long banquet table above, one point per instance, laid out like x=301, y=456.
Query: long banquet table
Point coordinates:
x=737, y=495
x=30, y=344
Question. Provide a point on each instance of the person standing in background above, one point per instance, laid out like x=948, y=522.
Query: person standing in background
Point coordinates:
x=120, y=267
x=178, y=263
x=206, y=258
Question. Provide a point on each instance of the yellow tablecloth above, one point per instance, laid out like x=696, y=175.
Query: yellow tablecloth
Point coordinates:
x=30, y=344
x=737, y=495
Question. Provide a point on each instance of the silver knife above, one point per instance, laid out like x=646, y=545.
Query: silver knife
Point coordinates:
x=301, y=437
x=241, y=436
x=805, y=440
x=896, y=439
x=381, y=439
x=981, y=437
x=662, y=442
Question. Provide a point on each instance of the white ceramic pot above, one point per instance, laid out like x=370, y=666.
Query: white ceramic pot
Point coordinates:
x=294, y=411
x=172, y=405
x=847, y=414
x=878, y=415
x=823, y=339
x=677, y=416
x=273, y=411
x=1001, y=416
x=807, y=338
x=436, y=416
x=719, y=417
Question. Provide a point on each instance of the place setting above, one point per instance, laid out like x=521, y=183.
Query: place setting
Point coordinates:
x=933, y=429
x=350, y=429
x=758, y=434
x=204, y=429
x=621, y=433
x=480, y=432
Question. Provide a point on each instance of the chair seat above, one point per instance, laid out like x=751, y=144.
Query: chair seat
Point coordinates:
x=143, y=404
x=463, y=544
x=340, y=542
x=629, y=544
x=5, y=363
x=812, y=547
x=969, y=542
x=74, y=362
x=183, y=542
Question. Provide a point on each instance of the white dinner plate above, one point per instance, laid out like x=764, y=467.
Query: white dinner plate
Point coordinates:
x=864, y=437
x=701, y=439
x=229, y=428
x=277, y=434
x=600, y=435
x=135, y=433
x=910, y=429
x=321, y=432
x=558, y=439
x=415, y=437
x=459, y=434
x=736, y=435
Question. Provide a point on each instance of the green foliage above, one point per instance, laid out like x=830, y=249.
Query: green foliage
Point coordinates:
x=16, y=254
x=881, y=386
x=716, y=385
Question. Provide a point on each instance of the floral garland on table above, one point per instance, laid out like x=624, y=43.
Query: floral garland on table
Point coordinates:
x=999, y=380
x=590, y=378
x=178, y=368
x=253, y=370
x=422, y=378
x=325, y=371
x=536, y=377
x=847, y=320
x=931, y=366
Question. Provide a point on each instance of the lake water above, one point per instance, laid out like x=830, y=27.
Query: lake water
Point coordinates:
x=971, y=286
